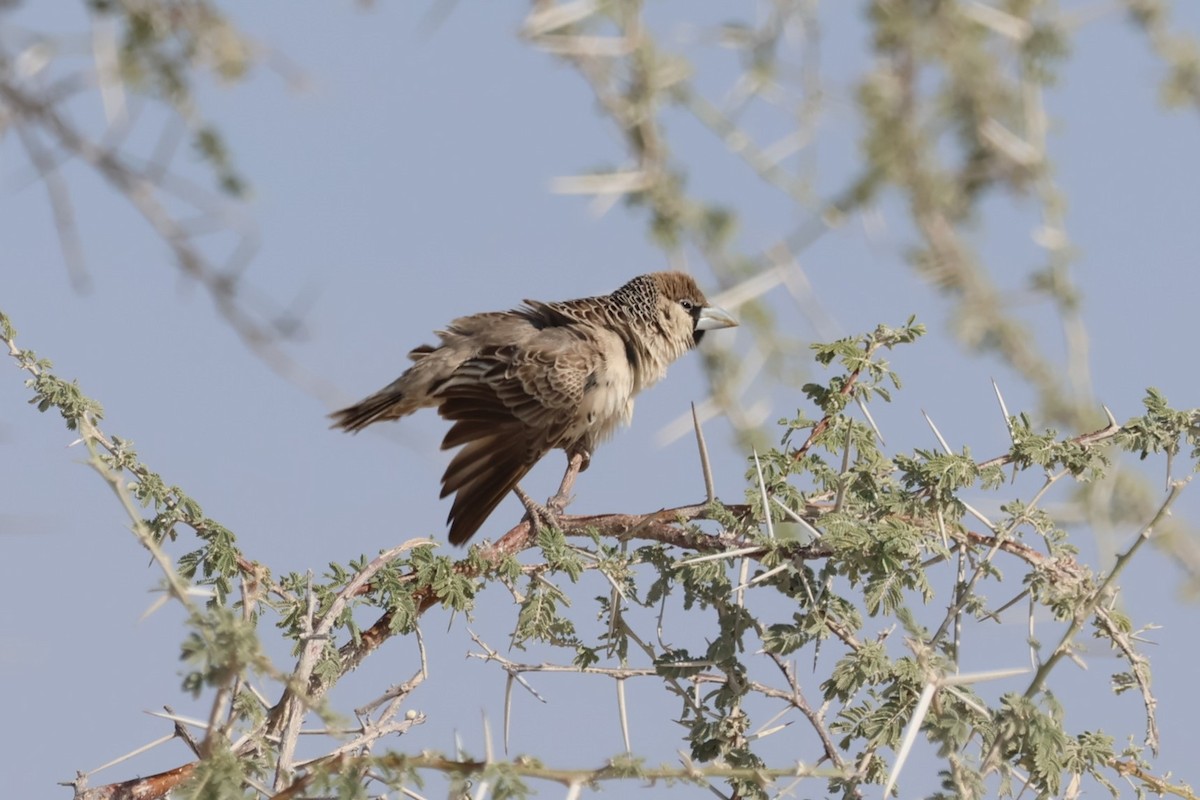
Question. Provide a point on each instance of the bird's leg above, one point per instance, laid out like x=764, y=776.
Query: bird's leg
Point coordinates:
x=548, y=515
x=576, y=463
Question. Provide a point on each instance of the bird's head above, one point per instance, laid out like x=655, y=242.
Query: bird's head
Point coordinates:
x=668, y=315
x=682, y=308
x=685, y=309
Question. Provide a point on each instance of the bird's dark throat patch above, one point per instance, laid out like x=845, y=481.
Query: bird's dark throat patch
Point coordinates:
x=632, y=356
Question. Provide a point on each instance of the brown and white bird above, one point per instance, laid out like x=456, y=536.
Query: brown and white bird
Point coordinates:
x=518, y=384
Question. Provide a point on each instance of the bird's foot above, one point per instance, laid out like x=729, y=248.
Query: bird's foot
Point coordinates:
x=559, y=502
x=541, y=516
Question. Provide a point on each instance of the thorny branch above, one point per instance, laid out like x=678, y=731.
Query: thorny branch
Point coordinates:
x=304, y=689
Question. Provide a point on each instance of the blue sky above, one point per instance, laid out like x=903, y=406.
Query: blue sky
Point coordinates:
x=407, y=181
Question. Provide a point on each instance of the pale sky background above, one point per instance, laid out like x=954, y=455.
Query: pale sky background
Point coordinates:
x=409, y=184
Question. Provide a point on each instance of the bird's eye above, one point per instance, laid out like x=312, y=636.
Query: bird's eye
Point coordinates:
x=688, y=305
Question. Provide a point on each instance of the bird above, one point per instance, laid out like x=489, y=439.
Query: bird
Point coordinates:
x=547, y=375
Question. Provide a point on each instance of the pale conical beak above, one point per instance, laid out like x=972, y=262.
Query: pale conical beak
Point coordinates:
x=713, y=317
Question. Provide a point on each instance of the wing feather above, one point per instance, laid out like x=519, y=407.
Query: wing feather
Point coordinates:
x=510, y=405
x=481, y=475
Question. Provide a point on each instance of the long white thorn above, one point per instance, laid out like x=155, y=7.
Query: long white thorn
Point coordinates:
x=1004, y=410
x=941, y=439
x=762, y=487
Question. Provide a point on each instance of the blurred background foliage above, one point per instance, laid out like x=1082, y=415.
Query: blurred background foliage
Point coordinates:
x=944, y=128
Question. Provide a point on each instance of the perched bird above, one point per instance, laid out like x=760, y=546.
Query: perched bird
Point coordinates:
x=518, y=384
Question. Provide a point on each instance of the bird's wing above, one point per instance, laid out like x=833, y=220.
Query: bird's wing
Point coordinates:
x=510, y=405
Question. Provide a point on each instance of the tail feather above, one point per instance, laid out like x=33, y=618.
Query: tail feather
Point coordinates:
x=386, y=404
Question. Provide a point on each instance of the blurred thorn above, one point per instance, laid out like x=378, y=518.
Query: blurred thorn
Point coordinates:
x=557, y=16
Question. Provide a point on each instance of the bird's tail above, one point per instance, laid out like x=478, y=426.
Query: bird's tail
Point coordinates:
x=387, y=403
